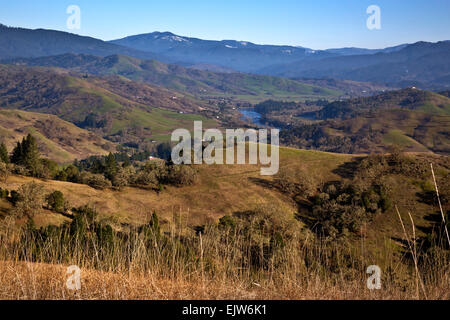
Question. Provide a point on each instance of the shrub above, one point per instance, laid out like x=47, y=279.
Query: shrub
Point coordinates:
x=152, y=174
x=20, y=170
x=4, y=193
x=96, y=181
x=4, y=171
x=154, y=225
x=122, y=177
x=47, y=169
x=61, y=176
x=146, y=178
x=227, y=222
x=29, y=200
x=182, y=175
x=56, y=202
x=70, y=174
x=14, y=197
x=296, y=182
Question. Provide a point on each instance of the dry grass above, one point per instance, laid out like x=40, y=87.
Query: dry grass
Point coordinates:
x=220, y=190
x=214, y=269
x=218, y=265
x=21, y=280
x=57, y=139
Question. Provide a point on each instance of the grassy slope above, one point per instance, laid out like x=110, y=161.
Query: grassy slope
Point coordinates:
x=72, y=99
x=253, y=88
x=414, y=119
x=248, y=87
x=224, y=190
x=57, y=139
x=220, y=190
x=129, y=114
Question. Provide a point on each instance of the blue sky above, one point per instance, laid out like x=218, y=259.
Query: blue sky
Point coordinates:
x=317, y=24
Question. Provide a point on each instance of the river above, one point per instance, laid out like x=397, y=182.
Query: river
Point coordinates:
x=252, y=115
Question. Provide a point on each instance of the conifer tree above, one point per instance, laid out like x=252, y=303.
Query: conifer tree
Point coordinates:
x=110, y=166
x=4, y=153
x=26, y=154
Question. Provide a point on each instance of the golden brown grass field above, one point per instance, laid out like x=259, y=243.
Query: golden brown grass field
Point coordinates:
x=304, y=268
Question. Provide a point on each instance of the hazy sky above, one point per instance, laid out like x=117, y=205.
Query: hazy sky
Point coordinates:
x=316, y=24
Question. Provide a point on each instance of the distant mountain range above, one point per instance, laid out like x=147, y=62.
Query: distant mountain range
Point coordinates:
x=241, y=56
x=26, y=43
x=361, y=51
x=423, y=64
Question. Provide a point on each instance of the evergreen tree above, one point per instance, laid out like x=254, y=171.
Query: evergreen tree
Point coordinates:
x=110, y=166
x=164, y=151
x=26, y=154
x=4, y=153
x=31, y=153
x=17, y=154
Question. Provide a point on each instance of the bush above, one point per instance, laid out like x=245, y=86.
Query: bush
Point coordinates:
x=29, y=200
x=56, y=202
x=70, y=174
x=20, y=170
x=14, y=197
x=4, y=193
x=4, y=171
x=122, y=177
x=146, y=178
x=152, y=174
x=96, y=181
x=47, y=169
x=296, y=182
x=227, y=222
x=182, y=175
x=154, y=225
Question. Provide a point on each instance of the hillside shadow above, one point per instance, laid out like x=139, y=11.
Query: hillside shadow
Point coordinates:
x=263, y=183
x=348, y=169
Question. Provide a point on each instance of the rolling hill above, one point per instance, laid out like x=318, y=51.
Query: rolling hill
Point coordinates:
x=232, y=188
x=57, y=139
x=115, y=108
x=406, y=99
x=416, y=120
x=192, y=81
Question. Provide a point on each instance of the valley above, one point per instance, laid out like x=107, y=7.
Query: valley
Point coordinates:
x=87, y=175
